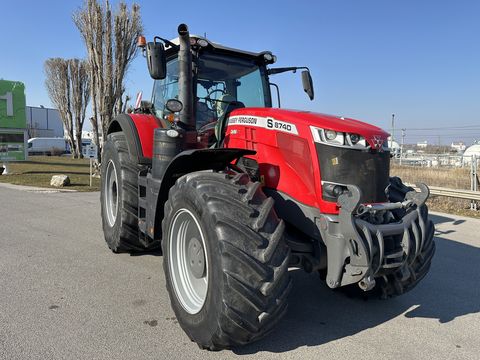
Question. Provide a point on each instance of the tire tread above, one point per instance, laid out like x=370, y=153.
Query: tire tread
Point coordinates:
x=254, y=255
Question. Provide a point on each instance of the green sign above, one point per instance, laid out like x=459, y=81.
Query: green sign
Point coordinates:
x=13, y=122
x=12, y=145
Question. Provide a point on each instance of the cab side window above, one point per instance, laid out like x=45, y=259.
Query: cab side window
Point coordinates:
x=165, y=89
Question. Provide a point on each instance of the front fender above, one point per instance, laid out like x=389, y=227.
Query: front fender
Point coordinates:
x=187, y=162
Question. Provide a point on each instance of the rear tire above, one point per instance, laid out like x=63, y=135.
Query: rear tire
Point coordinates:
x=119, y=196
x=246, y=259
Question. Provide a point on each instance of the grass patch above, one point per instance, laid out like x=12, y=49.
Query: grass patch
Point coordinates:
x=453, y=178
x=38, y=171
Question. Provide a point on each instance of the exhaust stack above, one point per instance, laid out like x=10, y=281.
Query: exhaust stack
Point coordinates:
x=185, y=91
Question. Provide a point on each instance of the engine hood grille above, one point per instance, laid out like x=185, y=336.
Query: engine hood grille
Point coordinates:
x=368, y=170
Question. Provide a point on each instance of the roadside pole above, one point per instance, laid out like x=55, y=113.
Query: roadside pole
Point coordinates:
x=91, y=172
x=401, y=146
x=393, y=128
x=473, y=181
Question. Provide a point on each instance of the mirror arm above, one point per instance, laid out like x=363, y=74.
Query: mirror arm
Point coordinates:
x=285, y=69
x=166, y=42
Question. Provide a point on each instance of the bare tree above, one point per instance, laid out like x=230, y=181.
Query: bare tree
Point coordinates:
x=110, y=39
x=68, y=86
x=80, y=84
x=57, y=83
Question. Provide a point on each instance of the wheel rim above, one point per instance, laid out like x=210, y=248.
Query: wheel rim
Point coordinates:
x=111, y=193
x=187, y=259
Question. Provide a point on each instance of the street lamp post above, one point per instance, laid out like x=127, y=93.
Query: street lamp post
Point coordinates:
x=393, y=128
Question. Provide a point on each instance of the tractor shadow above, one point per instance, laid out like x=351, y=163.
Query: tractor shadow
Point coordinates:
x=318, y=315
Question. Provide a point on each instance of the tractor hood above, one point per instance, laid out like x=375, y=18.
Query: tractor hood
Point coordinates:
x=324, y=121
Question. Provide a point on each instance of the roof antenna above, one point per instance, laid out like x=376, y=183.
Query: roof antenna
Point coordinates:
x=205, y=35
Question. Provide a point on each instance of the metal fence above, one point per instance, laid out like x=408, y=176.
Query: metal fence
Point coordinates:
x=473, y=194
x=435, y=160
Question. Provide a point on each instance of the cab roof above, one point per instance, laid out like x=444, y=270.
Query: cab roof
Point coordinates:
x=216, y=46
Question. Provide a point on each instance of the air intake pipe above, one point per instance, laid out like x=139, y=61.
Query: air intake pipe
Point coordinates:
x=185, y=90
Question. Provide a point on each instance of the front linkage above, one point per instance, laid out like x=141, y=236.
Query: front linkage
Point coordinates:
x=391, y=242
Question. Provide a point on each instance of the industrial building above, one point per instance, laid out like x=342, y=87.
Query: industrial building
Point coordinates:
x=43, y=122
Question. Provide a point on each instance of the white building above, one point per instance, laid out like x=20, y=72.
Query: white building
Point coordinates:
x=472, y=151
x=394, y=147
x=422, y=144
x=393, y=144
x=458, y=146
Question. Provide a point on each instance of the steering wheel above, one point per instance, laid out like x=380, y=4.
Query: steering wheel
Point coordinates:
x=211, y=101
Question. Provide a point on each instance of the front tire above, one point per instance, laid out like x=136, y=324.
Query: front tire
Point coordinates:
x=232, y=290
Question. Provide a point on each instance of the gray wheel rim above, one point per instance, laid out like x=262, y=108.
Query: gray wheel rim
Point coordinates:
x=187, y=259
x=111, y=193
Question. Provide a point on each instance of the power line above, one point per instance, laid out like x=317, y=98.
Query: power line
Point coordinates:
x=457, y=127
x=449, y=134
x=443, y=135
x=444, y=130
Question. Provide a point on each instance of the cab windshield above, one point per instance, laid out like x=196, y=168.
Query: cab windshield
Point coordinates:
x=224, y=79
x=221, y=80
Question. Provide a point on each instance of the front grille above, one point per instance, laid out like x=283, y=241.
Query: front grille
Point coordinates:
x=368, y=170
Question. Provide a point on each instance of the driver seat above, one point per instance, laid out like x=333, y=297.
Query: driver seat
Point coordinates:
x=222, y=103
x=225, y=105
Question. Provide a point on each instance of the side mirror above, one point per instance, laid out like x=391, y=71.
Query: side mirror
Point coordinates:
x=307, y=83
x=157, y=64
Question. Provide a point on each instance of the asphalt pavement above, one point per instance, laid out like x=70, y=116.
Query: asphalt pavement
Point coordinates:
x=64, y=295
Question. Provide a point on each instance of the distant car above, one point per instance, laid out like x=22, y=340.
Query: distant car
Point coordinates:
x=48, y=146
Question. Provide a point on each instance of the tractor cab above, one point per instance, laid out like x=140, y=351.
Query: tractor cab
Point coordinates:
x=221, y=76
x=222, y=79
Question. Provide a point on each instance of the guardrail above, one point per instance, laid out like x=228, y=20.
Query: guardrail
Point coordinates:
x=454, y=193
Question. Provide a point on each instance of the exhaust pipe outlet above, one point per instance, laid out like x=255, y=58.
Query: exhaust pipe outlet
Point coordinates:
x=182, y=29
x=185, y=90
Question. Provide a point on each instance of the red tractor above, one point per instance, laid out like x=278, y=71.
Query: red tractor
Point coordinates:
x=235, y=192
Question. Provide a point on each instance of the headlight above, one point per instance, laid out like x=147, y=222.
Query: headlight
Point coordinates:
x=354, y=138
x=269, y=58
x=330, y=134
x=336, y=138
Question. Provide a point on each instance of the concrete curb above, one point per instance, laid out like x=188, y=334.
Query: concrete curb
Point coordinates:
x=33, y=188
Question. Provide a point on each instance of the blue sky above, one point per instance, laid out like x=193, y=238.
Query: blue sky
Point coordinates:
x=368, y=58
